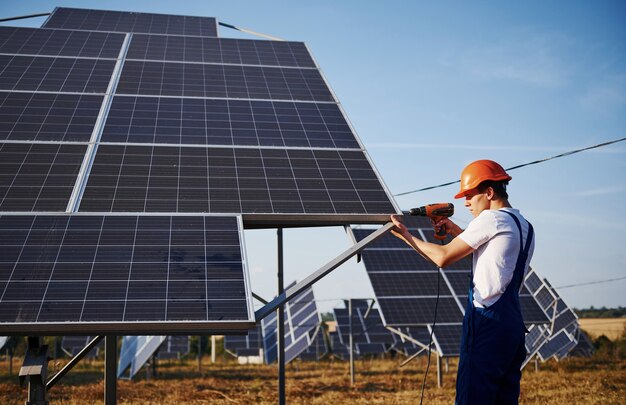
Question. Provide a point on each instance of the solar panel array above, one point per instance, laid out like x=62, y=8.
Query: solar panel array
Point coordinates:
x=174, y=347
x=135, y=352
x=562, y=335
x=110, y=120
x=318, y=347
x=406, y=288
x=369, y=335
x=301, y=319
x=250, y=344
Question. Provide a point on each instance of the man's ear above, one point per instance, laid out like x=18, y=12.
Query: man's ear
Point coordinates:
x=490, y=193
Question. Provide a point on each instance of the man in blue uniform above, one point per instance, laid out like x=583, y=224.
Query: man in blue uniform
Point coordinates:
x=502, y=244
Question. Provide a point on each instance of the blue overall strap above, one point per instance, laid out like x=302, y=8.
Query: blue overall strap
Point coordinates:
x=523, y=250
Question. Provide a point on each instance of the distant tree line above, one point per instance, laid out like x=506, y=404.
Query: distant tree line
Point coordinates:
x=604, y=312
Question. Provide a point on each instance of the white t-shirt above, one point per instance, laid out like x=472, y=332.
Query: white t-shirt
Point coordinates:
x=495, y=239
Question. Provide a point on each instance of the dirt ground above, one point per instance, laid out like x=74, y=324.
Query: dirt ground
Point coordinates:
x=378, y=381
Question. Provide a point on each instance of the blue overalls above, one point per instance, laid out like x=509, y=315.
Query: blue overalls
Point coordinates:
x=492, y=345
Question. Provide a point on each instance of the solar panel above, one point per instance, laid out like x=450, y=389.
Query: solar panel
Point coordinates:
x=368, y=333
x=219, y=51
x=132, y=273
x=407, y=286
x=196, y=121
x=43, y=42
x=231, y=180
x=250, y=344
x=558, y=345
x=174, y=347
x=48, y=116
x=135, y=352
x=38, y=176
x=3, y=341
x=301, y=318
x=117, y=21
x=42, y=73
x=216, y=127
x=318, y=348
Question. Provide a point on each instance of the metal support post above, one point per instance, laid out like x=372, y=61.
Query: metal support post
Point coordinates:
x=280, y=327
x=536, y=364
x=439, y=374
x=213, y=349
x=350, y=341
x=34, y=371
x=447, y=365
x=199, y=354
x=110, y=370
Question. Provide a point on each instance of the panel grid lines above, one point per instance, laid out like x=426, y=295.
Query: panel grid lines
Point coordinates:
x=120, y=269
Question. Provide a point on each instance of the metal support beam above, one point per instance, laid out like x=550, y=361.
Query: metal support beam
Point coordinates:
x=320, y=273
x=439, y=372
x=22, y=17
x=110, y=370
x=280, y=322
x=57, y=377
x=350, y=341
x=34, y=371
x=213, y=348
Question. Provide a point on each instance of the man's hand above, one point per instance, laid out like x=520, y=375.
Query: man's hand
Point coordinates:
x=399, y=230
x=450, y=227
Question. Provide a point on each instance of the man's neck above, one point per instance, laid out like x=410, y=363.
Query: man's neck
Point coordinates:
x=497, y=204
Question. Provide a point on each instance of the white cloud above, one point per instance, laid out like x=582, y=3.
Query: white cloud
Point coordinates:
x=605, y=94
x=524, y=57
x=601, y=191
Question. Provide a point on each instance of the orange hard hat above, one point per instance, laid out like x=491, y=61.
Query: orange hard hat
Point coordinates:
x=479, y=171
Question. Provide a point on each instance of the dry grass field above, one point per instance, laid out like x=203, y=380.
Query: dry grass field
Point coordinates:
x=378, y=381
x=612, y=328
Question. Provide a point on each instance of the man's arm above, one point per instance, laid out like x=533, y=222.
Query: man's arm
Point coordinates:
x=441, y=255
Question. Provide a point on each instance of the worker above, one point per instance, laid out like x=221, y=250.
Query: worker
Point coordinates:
x=502, y=244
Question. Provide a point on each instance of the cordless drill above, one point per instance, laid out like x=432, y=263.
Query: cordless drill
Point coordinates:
x=435, y=212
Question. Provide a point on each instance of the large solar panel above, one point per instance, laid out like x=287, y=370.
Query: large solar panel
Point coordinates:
x=301, y=318
x=153, y=117
x=133, y=273
x=118, y=21
x=407, y=285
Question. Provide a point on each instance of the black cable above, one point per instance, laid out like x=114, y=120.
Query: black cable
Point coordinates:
x=591, y=282
x=520, y=166
x=432, y=330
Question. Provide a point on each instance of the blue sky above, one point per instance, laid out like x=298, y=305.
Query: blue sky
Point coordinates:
x=432, y=86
